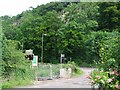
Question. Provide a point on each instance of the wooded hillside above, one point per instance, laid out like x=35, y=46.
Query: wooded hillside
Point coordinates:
x=85, y=32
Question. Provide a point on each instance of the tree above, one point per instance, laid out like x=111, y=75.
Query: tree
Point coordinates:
x=43, y=9
x=52, y=22
x=83, y=14
x=109, y=17
x=79, y=20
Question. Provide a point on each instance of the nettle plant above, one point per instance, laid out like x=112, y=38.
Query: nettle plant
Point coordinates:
x=108, y=73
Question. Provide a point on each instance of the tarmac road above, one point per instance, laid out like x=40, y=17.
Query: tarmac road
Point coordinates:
x=79, y=82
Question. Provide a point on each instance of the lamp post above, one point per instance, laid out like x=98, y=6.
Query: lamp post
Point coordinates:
x=42, y=48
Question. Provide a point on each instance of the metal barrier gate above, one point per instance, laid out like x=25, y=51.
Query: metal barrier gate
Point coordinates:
x=47, y=71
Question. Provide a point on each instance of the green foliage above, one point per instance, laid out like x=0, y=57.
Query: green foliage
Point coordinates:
x=43, y=9
x=102, y=45
x=64, y=23
x=75, y=68
x=14, y=65
x=1, y=37
x=78, y=23
x=84, y=32
x=108, y=62
x=109, y=16
x=14, y=83
x=67, y=26
x=105, y=79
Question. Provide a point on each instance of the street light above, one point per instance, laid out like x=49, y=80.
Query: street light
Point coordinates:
x=42, y=47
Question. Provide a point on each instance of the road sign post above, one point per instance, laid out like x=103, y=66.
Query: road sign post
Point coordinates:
x=61, y=61
x=35, y=61
x=51, y=77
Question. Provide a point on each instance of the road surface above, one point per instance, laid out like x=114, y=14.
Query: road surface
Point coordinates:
x=78, y=82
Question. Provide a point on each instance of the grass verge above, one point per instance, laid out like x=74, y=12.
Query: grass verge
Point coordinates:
x=14, y=83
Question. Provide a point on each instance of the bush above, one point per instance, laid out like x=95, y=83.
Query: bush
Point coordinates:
x=15, y=68
x=102, y=45
x=75, y=69
x=108, y=73
x=105, y=79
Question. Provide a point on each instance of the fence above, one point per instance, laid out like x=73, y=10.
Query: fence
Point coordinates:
x=47, y=71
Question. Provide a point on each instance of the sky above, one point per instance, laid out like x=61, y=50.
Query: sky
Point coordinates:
x=14, y=7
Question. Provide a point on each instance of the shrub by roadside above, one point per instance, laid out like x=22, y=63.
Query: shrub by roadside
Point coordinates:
x=75, y=68
x=16, y=69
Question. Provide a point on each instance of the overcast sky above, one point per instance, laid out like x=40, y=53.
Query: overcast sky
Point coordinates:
x=14, y=7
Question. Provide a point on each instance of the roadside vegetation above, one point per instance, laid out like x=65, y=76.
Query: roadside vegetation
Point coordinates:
x=87, y=33
x=107, y=76
x=15, y=68
x=76, y=71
